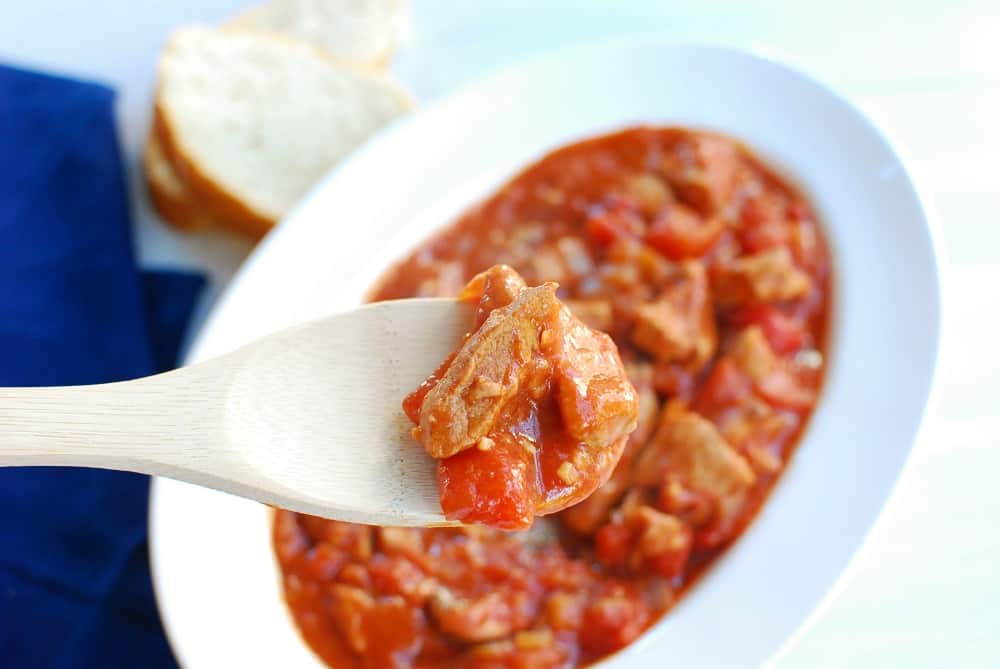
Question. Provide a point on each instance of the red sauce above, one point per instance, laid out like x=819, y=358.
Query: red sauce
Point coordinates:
x=711, y=273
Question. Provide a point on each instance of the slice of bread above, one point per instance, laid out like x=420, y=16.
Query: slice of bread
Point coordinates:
x=169, y=195
x=365, y=32
x=250, y=121
x=181, y=204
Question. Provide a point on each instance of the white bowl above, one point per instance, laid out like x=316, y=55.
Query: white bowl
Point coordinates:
x=215, y=577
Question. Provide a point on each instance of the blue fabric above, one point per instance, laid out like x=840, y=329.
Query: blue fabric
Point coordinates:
x=75, y=589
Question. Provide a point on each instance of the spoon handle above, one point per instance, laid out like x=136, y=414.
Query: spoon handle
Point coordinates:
x=156, y=425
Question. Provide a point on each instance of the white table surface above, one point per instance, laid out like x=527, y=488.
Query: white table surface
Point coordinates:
x=924, y=591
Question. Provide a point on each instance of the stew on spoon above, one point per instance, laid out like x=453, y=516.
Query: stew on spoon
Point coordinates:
x=530, y=415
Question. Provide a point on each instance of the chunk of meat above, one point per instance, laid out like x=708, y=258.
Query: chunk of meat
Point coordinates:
x=617, y=218
x=679, y=325
x=474, y=620
x=398, y=576
x=758, y=430
x=406, y=541
x=589, y=514
x=650, y=191
x=767, y=276
x=530, y=649
x=641, y=374
x=690, y=450
x=663, y=541
x=752, y=354
x=597, y=402
x=355, y=539
x=575, y=257
x=642, y=539
x=679, y=233
x=702, y=169
x=395, y=633
x=594, y=312
x=486, y=373
x=781, y=381
x=613, y=622
x=348, y=606
x=564, y=610
x=785, y=333
x=530, y=415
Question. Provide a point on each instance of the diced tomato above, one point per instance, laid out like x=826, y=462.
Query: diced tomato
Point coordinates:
x=725, y=386
x=670, y=564
x=610, y=623
x=673, y=379
x=619, y=218
x=323, y=562
x=396, y=575
x=784, y=333
x=395, y=633
x=765, y=224
x=613, y=542
x=783, y=388
x=681, y=233
x=496, y=487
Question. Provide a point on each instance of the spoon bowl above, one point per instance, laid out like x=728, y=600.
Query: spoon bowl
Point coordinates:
x=308, y=419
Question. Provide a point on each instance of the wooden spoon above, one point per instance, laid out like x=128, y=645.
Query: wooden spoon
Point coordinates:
x=307, y=419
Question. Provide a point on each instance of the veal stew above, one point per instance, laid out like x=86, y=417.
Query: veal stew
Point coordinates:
x=711, y=274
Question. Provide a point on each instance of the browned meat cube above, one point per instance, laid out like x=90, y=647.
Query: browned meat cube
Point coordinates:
x=679, y=325
x=594, y=312
x=349, y=607
x=757, y=430
x=482, y=619
x=663, y=541
x=589, y=514
x=547, y=262
x=596, y=400
x=576, y=257
x=768, y=276
x=702, y=171
x=752, y=354
x=690, y=450
x=564, y=610
x=486, y=373
x=650, y=191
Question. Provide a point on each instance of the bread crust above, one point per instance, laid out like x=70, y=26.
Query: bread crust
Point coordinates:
x=167, y=193
x=226, y=210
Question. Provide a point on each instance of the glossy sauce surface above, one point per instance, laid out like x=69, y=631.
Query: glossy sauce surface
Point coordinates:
x=711, y=274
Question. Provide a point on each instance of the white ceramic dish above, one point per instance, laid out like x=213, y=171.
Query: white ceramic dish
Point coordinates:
x=213, y=569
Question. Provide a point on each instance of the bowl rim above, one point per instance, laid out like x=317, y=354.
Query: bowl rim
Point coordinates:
x=756, y=52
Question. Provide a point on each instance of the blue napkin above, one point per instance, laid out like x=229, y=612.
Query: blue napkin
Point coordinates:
x=75, y=589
